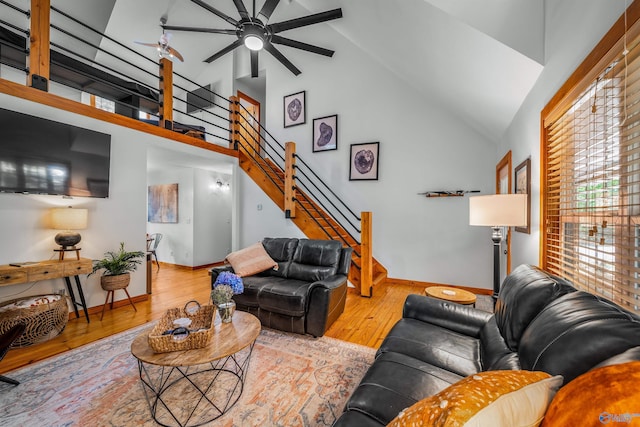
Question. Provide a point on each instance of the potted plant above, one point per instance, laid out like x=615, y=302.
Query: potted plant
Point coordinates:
x=117, y=266
x=227, y=285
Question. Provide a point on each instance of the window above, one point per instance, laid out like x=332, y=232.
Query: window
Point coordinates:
x=591, y=157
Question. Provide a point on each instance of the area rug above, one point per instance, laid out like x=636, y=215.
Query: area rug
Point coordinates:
x=292, y=381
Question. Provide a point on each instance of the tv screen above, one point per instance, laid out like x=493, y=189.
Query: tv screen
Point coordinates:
x=40, y=156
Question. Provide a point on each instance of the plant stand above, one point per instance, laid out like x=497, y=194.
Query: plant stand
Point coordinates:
x=112, y=284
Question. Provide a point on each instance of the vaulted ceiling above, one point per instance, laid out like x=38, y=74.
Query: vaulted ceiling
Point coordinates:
x=476, y=58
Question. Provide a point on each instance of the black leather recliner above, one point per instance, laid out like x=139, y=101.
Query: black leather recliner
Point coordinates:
x=541, y=323
x=307, y=292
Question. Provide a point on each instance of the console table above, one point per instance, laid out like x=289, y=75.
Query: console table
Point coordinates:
x=14, y=274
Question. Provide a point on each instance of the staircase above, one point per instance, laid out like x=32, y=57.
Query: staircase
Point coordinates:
x=310, y=217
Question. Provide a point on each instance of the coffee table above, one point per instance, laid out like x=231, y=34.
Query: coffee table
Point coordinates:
x=194, y=387
x=456, y=295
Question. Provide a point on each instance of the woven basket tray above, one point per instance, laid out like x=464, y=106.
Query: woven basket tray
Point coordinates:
x=43, y=321
x=201, y=330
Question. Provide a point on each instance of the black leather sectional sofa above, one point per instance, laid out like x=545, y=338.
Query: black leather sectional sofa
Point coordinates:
x=541, y=323
x=307, y=292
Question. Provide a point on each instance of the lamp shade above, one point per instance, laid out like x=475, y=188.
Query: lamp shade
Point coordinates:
x=498, y=210
x=68, y=219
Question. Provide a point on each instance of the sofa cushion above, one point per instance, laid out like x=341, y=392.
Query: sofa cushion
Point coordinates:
x=435, y=345
x=395, y=382
x=315, y=260
x=281, y=249
x=575, y=333
x=251, y=260
x=496, y=398
x=523, y=294
x=601, y=396
x=494, y=352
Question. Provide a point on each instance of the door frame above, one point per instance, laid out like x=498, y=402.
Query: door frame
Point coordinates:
x=503, y=168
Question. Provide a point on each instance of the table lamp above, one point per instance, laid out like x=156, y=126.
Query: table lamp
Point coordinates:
x=496, y=211
x=68, y=219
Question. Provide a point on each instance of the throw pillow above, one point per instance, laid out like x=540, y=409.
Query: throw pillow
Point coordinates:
x=251, y=260
x=607, y=395
x=492, y=398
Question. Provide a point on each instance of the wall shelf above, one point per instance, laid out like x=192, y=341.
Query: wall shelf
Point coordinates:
x=455, y=193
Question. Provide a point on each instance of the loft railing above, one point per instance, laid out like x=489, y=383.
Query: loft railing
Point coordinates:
x=148, y=87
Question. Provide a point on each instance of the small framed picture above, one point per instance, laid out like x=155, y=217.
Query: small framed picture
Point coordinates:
x=294, y=109
x=325, y=133
x=523, y=186
x=363, y=161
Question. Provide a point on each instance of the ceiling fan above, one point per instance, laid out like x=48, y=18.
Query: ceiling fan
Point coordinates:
x=162, y=45
x=255, y=32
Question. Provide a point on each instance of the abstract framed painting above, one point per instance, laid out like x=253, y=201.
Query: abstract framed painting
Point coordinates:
x=163, y=203
x=363, y=161
x=523, y=186
x=294, y=109
x=325, y=133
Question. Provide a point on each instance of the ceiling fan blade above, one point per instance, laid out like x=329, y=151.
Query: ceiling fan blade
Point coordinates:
x=199, y=30
x=176, y=54
x=216, y=12
x=267, y=9
x=302, y=46
x=146, y=44
x=242, y=10
x=254, y=63
x=280, y=57
x=224, y=51
x=305, y=20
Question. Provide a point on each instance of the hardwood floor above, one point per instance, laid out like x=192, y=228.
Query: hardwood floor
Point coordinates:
x=365, y=321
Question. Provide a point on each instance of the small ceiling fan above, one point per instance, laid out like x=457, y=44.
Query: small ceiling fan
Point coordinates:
x=256, y=33
x=162, y=45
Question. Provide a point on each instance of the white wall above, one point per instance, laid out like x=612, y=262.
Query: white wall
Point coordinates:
x=573, y=28
x=211, y=217
x=422, y=148
x=120, y=218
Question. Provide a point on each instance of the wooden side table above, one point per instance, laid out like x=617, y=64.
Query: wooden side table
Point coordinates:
x=446, y=293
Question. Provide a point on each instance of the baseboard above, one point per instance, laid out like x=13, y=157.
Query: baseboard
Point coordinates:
x=116, y=304
x=477, y=291
x=196, y=267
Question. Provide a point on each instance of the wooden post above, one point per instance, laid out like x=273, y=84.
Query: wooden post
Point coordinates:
x=366, y=251
x=234, y=126
x=166, y=93
x=39, y=50
x=289, y=179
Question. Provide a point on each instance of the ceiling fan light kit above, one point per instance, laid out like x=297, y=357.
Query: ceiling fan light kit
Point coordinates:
x=255, y=32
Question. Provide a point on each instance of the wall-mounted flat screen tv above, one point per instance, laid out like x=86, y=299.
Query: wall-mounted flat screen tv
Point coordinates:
x=40, y=156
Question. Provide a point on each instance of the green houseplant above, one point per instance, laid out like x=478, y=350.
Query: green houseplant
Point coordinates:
x=117, y=266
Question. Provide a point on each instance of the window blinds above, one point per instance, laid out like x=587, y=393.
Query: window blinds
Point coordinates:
x=592, y=184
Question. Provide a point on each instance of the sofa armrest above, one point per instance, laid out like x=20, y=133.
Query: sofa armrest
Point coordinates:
x=215, y=271
x=326, y=302
x=459, y=318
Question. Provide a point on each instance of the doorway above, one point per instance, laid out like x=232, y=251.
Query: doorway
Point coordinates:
x=250, y=126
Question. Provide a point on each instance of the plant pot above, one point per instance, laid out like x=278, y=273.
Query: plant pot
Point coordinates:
x=111, y=283
x=226, y=310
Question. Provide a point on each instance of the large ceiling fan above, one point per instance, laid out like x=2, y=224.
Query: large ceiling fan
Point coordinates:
x=255, y=32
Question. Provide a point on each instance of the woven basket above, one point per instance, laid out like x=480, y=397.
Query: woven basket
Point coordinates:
x=201, y=330
x=43, y=321
x=112, y=283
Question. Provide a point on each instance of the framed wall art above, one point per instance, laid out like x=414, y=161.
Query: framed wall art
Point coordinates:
x=325, y=133
x=523, y=186
x=363, y=161
x=294, y=109
x=163, y=203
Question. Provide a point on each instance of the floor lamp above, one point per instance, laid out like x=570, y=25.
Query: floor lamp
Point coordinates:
x=497, y=211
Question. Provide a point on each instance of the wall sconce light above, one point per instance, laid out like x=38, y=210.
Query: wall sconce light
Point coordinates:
x=224, y=186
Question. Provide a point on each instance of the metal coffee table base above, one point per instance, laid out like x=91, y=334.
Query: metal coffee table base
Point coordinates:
x=190, y=396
